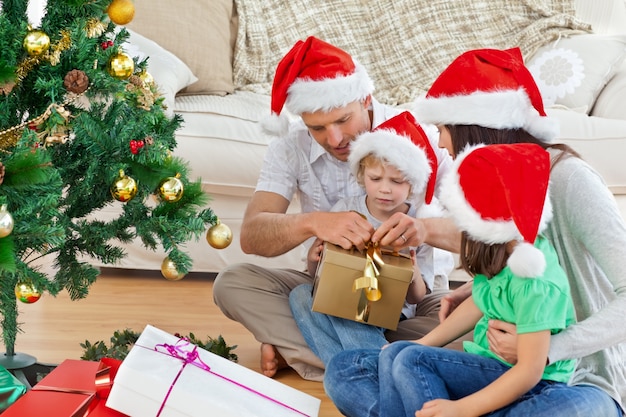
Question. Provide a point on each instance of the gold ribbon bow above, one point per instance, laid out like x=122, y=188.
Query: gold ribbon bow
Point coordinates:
x=368, y=283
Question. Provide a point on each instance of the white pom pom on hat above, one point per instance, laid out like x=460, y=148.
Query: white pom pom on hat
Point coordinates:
x=526, y=261
x=498, y=194
x=275, y=125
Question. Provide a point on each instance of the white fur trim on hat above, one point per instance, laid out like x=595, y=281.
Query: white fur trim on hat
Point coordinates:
x=526, y=261
x=505, y=109
x=306, y=95
x=469, y=220
x=398, y=151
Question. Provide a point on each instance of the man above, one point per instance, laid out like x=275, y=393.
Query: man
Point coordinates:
x=331, y=94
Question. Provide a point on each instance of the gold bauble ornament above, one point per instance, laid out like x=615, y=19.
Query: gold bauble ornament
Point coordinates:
x=171, y=189
x=121, y=12
x=120, y=66
x=123, y=188
x=147, y=78
x=36, y=42
x=27, y=292
x=6, y=222
x=169, y=271
x=219, y=235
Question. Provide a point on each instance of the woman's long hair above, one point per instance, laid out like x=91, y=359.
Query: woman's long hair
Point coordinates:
x=463, y=135
x=477, y=257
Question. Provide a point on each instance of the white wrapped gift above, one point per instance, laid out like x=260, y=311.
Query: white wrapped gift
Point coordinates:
x=166, y=376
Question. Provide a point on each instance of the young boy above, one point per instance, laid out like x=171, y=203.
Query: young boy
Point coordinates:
x=394, y=164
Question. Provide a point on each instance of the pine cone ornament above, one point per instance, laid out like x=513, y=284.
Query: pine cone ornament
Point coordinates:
x=1, y=172
x=76, y=81
x=136, y=80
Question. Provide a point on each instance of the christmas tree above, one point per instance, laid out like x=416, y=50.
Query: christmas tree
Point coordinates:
x=82, y=126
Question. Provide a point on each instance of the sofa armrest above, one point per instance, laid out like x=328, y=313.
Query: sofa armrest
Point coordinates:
x=611, y=102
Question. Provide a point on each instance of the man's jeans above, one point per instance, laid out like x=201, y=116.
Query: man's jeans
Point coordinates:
x=385, y=383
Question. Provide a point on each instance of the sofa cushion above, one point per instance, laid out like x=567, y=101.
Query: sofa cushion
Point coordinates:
x=610, y=102
x=400, y=42
x=170, y=73
x=605, y=16
x=234, y=139
x=601, y=142
x=572, y=71
x=198, y=32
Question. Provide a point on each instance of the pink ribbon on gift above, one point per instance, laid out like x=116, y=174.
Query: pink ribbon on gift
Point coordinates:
x=191, y=357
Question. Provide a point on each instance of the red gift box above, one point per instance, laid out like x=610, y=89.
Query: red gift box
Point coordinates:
x=75, y=388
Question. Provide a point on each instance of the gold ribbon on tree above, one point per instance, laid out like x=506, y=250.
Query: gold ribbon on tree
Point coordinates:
x=368, y=283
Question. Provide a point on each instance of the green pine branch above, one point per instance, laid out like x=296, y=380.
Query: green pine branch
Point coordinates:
x=122, y=342
x=63, y=150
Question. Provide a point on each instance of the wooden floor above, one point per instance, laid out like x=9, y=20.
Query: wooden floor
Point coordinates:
x=54, y=327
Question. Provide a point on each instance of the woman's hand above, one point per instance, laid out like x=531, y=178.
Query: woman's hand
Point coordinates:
x=400, y=231
x=502, y=338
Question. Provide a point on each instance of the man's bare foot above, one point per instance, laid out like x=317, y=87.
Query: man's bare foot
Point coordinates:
x=271, y=360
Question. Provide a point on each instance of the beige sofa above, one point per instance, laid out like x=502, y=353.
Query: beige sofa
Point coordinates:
x=231, y=48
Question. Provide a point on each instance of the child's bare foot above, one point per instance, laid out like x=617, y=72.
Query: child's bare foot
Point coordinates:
x=271, y=361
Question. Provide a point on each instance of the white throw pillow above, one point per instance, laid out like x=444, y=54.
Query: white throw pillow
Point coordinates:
x=170, y=73
x=572, y=72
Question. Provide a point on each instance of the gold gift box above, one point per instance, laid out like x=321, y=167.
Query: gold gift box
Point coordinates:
x=336, y=273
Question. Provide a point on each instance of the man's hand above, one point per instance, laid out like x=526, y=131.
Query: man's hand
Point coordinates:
x=400, y=231
x=345, y=229
x=451, y=301
x=268, y=230
x=502, y=338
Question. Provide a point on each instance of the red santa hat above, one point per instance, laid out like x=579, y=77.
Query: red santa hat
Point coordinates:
x=499, y=193
x=402, y=143
x=315, y=75
x=490, y=88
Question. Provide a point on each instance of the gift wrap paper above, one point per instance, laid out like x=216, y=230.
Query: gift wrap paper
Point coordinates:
x=333, y=289
x=75, y=388
x=10, y=389
x=167, y=376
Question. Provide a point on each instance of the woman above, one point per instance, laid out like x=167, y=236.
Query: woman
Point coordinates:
x=488, y=96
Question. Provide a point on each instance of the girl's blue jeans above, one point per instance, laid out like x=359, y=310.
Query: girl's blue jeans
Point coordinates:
x=373, y=382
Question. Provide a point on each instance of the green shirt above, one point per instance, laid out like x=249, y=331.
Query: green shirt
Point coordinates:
x=532, y=304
